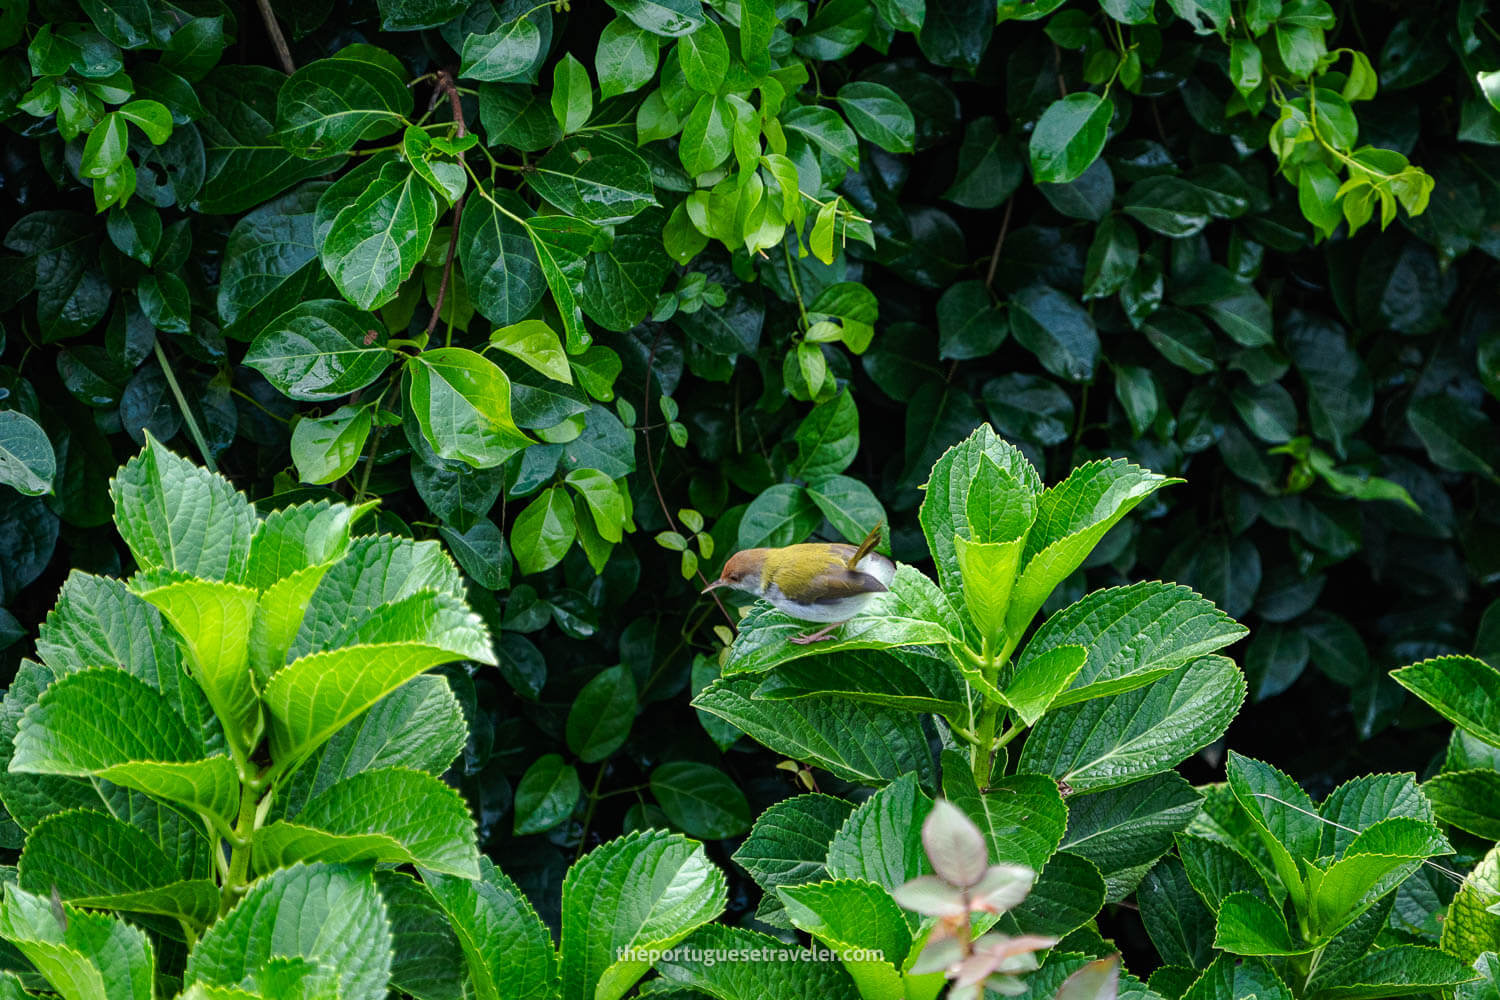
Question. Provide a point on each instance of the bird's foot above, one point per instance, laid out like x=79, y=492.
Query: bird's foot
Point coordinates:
x=823, y=634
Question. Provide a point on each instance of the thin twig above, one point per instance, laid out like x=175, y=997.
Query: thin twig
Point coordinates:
x=588, y=816
x=278, y=40
x=364, y=479
x=989, y=277
x=444, y=82
x=437, y=305
x=791, y=273
x=651, y=468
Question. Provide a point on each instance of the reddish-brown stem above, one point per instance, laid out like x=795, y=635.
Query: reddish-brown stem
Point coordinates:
x=437, y=305
x=445, y=82
x=989, y=277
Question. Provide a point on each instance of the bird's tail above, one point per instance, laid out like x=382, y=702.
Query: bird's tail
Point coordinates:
x=867, y=546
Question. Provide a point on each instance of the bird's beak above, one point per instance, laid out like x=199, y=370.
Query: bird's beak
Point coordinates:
x=712, y=586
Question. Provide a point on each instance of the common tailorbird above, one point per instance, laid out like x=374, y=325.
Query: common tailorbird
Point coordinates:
x=815, y=581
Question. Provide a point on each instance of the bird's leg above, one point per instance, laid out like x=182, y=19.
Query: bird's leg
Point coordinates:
x=821, y=635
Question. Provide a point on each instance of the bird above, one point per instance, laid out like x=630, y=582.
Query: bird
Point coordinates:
x=813, y=581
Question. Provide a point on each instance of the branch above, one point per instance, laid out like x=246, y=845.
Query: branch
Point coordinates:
x=989, y=277
x=446, y=83
x=278, y=40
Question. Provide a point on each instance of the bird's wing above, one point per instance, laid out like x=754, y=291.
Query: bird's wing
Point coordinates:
x=843, y=583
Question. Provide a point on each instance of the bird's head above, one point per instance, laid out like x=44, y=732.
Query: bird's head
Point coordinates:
x=742, y=571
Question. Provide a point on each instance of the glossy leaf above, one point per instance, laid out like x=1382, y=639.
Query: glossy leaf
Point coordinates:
x=1069, y=136
x=320, y=350
x=329, y=105
x=463, y=406
x=1109, y=741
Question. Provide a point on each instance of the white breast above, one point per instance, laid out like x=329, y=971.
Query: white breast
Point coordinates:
x=832, y=611
x=844, y=608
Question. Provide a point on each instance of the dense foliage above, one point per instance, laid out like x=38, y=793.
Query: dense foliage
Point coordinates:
x=596, y=295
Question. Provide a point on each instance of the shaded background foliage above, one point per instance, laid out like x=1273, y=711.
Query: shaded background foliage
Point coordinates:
x=1172, y=305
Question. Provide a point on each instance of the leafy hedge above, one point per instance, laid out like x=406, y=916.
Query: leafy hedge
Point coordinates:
x=597, y=295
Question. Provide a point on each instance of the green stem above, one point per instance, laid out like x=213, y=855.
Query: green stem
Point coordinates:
x=588, y=816
x=791, y=273
x=629, y=790
x=981, y=754
x=259, y=405
x=1083, y=405
x=187, y=414
x=239, y=847
x=479, y=190
x=961, y=732
x=1312, y=120
x=364, y=479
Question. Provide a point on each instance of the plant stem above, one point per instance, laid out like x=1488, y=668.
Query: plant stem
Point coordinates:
x=1083, y=405
x=989, y=277
x=364, y=479
x=258, y=405
x=239, y=847
x=437, y=305
x=981, y=755
x=791, y=273
x=188, y=933
x=278, y=40
x=445, y=83
x=588, y=816
x=966, y=932
x=187, y=415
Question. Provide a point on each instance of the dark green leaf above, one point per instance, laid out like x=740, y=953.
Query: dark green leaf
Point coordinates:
x=990, y=167
x=329, y=105
x=508, y=52
x=546, y=794
x=1457, y=435
x=969, y=325
x=1057, y=330
x=1069, y=137
x=600, y=718
x=879, y=115
x=700, y=799
x=320, y=350
x=375, y=243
